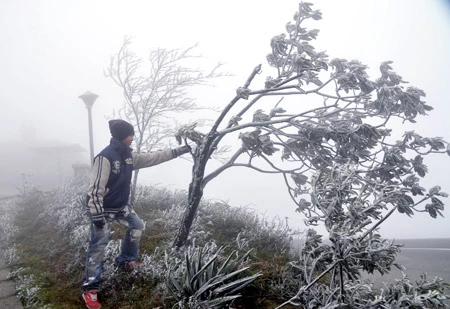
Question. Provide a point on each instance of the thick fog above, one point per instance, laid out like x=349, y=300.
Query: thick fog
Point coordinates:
x=54, y=51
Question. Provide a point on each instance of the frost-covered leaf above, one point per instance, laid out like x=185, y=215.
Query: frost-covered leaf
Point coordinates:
x=303, y=205
x=434, y=190
x=299, y=179
x=260, y=116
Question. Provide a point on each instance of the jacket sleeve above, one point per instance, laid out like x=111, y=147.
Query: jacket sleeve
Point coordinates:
x=141, y=160
x=97, y=188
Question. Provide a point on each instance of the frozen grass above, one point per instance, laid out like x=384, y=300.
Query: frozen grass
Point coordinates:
x=47, y=235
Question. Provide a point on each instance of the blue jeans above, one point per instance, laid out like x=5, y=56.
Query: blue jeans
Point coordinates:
x=99, y=238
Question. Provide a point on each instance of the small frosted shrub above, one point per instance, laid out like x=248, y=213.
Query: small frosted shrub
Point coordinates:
x=8, y=212
x=10, y=255
x=111, y=251
x=150, y=198
x=205, y=278
x=27, y=288
x=227, y=223
x=153, y=265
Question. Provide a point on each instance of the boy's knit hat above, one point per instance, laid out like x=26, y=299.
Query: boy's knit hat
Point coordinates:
x=120, y=129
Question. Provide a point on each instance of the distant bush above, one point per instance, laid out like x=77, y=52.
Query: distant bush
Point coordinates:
x=249, y=229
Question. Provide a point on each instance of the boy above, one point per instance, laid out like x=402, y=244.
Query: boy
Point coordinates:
x=108, y=196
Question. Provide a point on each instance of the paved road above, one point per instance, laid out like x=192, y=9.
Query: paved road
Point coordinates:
x=8, y=298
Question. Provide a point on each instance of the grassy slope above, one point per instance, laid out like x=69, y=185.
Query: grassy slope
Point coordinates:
x=46, y=253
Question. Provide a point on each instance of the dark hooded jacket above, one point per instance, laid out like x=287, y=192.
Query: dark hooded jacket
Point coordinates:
x=110, y=185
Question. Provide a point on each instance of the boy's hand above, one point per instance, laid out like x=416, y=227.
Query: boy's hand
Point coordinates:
x=99, y=222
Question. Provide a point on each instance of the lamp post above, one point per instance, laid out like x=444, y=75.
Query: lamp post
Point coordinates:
x=89, y=99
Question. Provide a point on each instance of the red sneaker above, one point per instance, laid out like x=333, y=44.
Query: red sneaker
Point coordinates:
x=131, y=265
x=90, y=298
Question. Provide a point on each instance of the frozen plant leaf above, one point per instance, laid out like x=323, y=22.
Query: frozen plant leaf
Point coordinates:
x=277, y=110
x=234, y=121
x=299, y=179
x=260, y=116
x=434, y=190
x=303, y=205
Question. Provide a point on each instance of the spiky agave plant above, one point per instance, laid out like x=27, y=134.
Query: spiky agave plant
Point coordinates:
x=206, y=280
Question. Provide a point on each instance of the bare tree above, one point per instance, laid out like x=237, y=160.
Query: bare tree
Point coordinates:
x=155, y=91
x=341, y=164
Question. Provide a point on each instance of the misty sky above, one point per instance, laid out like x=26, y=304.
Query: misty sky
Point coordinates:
x=53, y=51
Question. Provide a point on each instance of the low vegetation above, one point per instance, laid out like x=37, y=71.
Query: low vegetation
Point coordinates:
x=236, y=258
x=47, y=232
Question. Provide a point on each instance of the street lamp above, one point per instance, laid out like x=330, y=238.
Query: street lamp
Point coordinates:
x=89, y=99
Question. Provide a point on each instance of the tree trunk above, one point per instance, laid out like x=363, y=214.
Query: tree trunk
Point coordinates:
x=195, y=191
x=194, y=198
x=189, y=215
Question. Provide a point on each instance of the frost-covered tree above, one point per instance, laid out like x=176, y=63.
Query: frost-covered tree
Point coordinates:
x=155, y=90
x=328, y=133
x=329, y=126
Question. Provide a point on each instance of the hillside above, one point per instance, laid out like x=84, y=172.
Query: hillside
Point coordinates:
x=46, y=237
